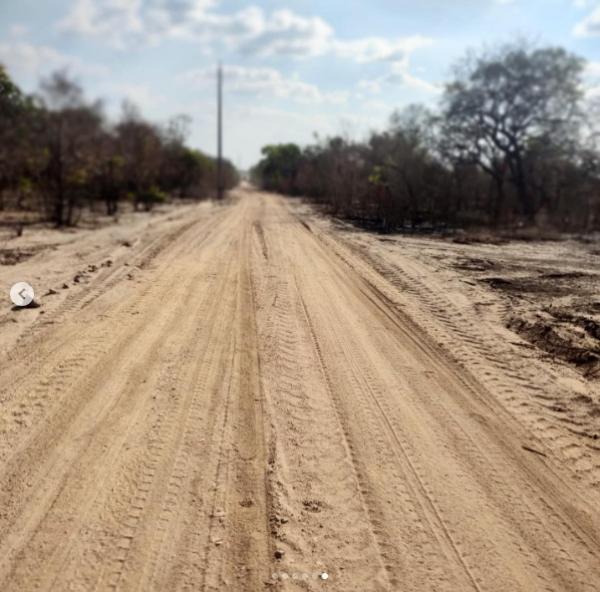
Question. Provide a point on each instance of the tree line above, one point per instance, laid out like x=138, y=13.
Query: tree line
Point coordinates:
x=59, y=154
x=513, y=142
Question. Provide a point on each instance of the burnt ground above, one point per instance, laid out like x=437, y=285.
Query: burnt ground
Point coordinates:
x=558, y=311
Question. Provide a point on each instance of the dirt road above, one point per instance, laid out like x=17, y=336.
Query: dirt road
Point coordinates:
x=258, y=406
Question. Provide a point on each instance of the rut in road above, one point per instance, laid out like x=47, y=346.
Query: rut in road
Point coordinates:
x=255, y=411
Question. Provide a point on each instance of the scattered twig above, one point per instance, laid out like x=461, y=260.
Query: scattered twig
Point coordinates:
x=524, y=447
x=519, y=344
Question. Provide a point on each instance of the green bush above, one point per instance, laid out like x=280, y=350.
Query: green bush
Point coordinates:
x=151, y=197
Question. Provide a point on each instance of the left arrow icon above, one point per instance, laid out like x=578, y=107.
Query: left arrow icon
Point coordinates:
x=22, y=294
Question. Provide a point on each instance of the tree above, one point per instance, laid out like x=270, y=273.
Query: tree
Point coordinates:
x=405, y=164
x=72, y=129
x=279, y=166
x=502, y=102
x=58, y=153
x=20, y=153
x=140, y=145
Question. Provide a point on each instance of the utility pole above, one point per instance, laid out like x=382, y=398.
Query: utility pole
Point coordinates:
x=220, y=183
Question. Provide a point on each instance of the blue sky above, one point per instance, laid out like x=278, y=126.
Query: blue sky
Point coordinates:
x=291, y=68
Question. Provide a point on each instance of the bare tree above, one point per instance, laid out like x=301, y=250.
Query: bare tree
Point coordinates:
x=72, y=128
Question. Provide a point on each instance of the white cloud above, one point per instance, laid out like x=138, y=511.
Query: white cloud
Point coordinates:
x=407, y=79
x=379, y=49
x=250, y=31
x=27, y=59
x=287, y=33
x=265, y=82
x=247, y=32
x=592, y=80
x=592, y=70
x=590, y=25
x=129, y=22
x=398, y=76
x=112, y=20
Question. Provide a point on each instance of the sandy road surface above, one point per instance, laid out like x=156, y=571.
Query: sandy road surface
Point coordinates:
x=260, y=405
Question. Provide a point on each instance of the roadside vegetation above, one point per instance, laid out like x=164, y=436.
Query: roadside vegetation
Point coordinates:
x=514, y=142
x=60, y=155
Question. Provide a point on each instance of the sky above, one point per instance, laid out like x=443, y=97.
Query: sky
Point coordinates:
x=292, y=68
